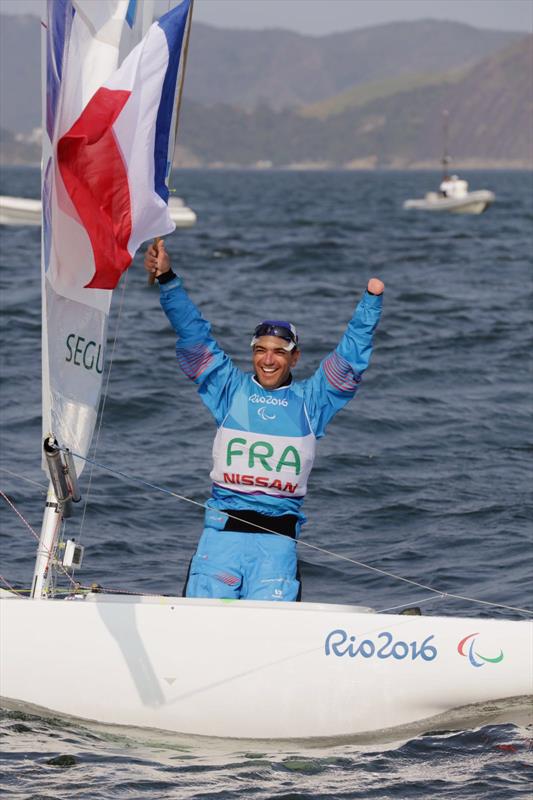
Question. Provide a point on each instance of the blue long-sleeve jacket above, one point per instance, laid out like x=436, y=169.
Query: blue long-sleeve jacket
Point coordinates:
x=264, y=447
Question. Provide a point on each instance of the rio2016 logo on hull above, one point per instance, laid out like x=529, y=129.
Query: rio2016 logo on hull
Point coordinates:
x=338, y=643
x=475, y=658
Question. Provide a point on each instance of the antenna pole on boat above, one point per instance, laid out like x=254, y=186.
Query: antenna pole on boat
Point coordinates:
x=445, y=161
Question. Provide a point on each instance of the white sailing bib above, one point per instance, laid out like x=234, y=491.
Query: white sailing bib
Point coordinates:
x=267, y=463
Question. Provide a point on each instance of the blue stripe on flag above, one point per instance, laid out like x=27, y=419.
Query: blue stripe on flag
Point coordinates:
x=60, y=13
x=173, y=26
x=130, y=13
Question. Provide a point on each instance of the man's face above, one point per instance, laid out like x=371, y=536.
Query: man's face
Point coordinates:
x=272, y=363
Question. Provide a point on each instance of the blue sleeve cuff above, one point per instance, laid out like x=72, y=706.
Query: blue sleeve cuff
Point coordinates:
x=373, y=300
x=175, y=283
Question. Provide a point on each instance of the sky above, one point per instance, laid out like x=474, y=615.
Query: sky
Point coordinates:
x=316, y=17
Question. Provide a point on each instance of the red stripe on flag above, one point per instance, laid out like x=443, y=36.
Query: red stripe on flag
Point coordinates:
x=95, y=177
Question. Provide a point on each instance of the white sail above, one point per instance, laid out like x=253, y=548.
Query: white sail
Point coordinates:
x=85, y=41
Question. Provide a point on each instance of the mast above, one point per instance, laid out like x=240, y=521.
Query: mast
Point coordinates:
x=47, y=546
x=51, y=523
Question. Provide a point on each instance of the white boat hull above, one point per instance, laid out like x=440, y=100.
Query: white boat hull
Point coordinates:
x=180, y=214
x=19, y=211
x=470, y=203
x=24, y=211
x=254, y=670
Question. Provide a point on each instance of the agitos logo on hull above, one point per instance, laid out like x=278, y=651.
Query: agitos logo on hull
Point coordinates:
x=475, y=658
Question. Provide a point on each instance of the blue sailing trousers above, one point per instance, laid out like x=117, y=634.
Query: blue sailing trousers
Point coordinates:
x=248, y=566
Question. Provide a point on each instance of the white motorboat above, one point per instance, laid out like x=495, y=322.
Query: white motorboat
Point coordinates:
x=453, y=195
x=180, y=214
x=26, y=211
x=19, y=211
x=463, y=203
x=244, y=669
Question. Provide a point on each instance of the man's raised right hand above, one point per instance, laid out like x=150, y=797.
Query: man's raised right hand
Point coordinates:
x=156, y=259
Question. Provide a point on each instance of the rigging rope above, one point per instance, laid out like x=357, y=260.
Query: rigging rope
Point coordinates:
x=42, y=486
x=417, y=602
x=436, y=592
x=36, y=535
x=12, y=588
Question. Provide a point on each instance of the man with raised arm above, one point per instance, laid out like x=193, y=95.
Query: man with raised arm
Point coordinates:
x=264, y=447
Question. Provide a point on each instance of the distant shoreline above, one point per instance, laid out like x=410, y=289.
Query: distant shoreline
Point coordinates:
x=464, y=166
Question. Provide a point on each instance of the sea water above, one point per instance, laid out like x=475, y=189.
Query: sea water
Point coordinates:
x=427, y=474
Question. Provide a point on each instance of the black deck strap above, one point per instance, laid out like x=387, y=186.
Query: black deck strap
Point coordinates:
x=247, y=520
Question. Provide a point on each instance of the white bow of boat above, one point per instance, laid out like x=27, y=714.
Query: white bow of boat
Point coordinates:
x=27, y=211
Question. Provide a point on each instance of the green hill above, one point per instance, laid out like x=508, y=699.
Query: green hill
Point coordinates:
x=490, y=108
x=278, y=68
x=379, y=90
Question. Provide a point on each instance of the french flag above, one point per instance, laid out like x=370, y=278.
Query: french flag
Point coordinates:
x=115, y=159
